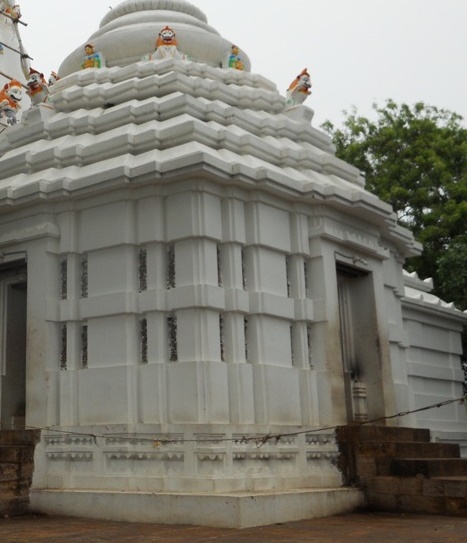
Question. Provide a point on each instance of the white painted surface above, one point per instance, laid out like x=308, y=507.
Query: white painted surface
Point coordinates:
x=223, y=511
x=179, y=154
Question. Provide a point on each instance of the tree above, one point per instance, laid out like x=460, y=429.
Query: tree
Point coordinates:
x=415, y=158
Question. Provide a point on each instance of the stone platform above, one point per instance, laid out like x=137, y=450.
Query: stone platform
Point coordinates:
x=16, y=468
x=236, y=510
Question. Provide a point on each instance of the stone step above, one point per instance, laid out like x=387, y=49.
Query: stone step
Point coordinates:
x=14, y=488
x=442, y=496
x=402, y=471
x=407, y=449
x=370, y=459
x=16, y=470
x=18, y=454
x=450, y=487
x=11, y=506
x=19, y=437
x=18, y=476
x=361, y=433
x=8, y=471
x=422, y=467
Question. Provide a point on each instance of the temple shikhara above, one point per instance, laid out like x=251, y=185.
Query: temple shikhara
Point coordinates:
x=197, y=297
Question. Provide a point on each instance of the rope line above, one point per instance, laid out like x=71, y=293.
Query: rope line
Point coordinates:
x=259, y=440
x=22, y=55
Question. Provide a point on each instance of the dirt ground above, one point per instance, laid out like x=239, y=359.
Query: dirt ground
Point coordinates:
x=361, y=528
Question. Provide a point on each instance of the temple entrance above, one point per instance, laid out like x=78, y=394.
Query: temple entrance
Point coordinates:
x=13, y=297
x=361, y=358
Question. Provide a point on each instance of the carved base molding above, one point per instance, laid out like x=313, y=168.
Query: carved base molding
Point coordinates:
x=184, y=462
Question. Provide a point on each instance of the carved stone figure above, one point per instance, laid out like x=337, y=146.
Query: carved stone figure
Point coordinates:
x=53, y=78
x=92, y=59
x=10, y=98
x=235, y=61
x=38, y=90
x=299, y=89
x=14, y=11
x=166, y=46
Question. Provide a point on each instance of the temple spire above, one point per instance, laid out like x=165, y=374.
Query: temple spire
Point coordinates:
x=14, y=60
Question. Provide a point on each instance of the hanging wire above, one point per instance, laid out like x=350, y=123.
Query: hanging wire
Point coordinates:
x=258, y=440
x=21, y=53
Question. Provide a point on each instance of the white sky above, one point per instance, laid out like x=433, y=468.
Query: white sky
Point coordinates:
x=357, y=51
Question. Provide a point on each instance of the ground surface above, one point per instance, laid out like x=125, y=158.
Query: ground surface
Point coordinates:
x=361, y=528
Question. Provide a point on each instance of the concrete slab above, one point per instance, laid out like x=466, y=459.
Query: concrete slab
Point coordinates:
x=223, y=511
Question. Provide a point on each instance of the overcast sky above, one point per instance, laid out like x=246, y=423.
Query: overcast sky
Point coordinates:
x=357, y=51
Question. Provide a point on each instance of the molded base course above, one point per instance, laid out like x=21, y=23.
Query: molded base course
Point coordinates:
x=222, y=511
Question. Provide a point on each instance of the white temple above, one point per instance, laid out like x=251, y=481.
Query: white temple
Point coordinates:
x=187, y=269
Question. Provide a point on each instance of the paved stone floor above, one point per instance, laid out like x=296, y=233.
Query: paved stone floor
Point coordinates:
x=361, y=528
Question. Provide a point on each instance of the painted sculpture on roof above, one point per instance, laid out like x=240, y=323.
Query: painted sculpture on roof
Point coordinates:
x=38, y=89
x=235, y=61
x=299, y=89
x=14, y=11
x=53, y=78
x=10, y=98
x=166, y=46
x=92, y=59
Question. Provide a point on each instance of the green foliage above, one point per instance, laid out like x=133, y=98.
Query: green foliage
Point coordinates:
x=415, y=158
x=452, y=270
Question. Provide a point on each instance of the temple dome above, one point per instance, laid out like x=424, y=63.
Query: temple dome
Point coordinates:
x=129, y=31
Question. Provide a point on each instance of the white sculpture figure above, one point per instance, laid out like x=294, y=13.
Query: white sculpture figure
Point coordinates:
x=166, y=46
x=54, y=77
x=10, y=98
x=38, y=90
x=299, y=89
x=14, y=11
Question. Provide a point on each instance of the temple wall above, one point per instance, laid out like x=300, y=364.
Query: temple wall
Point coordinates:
x=192, y=310
x=182, y=314
x=433, y=340
x=189, y=312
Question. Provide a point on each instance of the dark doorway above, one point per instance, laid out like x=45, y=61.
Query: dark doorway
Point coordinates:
x=360, y=345
x=13, y=300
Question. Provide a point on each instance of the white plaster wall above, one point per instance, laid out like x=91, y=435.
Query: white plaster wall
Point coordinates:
x=434, y=370
x=256, y=235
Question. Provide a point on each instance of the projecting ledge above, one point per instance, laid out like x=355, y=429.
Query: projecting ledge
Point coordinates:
x=271, y=304
x=300, y=113
x=202, y=296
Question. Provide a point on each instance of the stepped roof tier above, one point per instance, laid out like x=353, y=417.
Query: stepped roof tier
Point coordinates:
x=418, y=291
x=140, y=122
